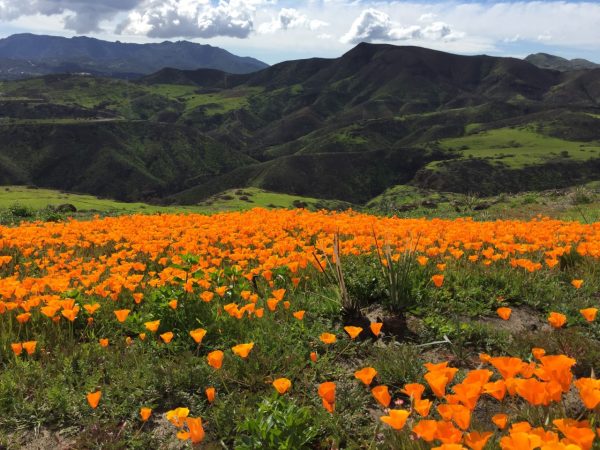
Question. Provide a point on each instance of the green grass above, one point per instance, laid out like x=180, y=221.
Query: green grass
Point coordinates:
x=233, y=200
x=36, y=199
x=519, y=147
x=40, y=198
x=121, y=96
x=580, y=203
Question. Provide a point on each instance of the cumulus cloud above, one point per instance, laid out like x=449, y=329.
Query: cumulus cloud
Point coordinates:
x=191, y=18
x=289, y=18
x=81, y=16
x=375, y=25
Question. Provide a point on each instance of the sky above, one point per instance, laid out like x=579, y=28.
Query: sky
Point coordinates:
x=278, y=30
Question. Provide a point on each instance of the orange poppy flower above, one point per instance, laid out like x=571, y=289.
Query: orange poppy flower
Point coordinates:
x=327, y=391
x=520, y=441
x=167, y=337
x=504, y=313
x=509, y=367
x=29, y=347
x=103, y=342
x=91, y=309
x=447, y=433
x=17, y=348
x=196, y=433
x=272, y=304
x=396, y=418
x=422, y=406
x=414, y=390
x=557, y=320
x=500, y=420
x=243, y=350
x=438, y=280
x=437, y=382
x=24, y=317
x=282, y=385
x=376, y=327
x=382, y=395
x=476, y=440
x=207, y=296
x=93, y=398
x=145, y=414
x=299, y=315
x=122, y=314
x=173, y=304
x=278, y=294
x=538, y=352
x=328, y=338
x=221, y=291
x=142, y=336
x=259, y=312
x=152, y=326
x=576, y=283
x=589, y=314
x=210, y=394
x=198, y=334
x=215, y=359
x=426, y=430
x=177, y=416
x=589, y=391
x=138, y=297
x=330, y=407
x=578, y=433
x=313, y=356
x=353, y=332
x=366, y=375
x=70, y=314
x=496, y=389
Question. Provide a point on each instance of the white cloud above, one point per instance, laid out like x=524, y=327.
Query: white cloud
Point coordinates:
x=374, y=25
x=191, y=18
x=289, y=18
x=78, y=15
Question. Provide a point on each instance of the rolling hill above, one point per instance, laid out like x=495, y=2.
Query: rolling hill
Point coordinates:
x=26, y=55
x=346, y=128
x=546, y=61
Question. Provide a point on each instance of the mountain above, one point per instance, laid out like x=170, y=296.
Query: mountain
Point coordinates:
x=346, y=128
x=546, y=61
x=27, y=55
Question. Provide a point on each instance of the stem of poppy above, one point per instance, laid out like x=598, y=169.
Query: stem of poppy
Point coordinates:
x=374, y=435
x=223, y=381
x=342, y=352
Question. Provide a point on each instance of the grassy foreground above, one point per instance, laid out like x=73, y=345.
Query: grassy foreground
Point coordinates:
x=19, y=203
x=289, y=329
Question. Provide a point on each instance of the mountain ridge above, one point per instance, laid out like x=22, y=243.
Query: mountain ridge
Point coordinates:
x=341, y=128
x=55, y=54
x=548, y=61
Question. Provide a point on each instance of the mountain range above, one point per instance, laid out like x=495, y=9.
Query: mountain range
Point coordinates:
x=27, y=55
x=546, y=61
x=346, y=128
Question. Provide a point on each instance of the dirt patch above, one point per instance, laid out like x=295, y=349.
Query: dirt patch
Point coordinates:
x=522, y=319
x=42, y=439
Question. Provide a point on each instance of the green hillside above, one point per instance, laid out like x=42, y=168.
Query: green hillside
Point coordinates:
x=341, y=129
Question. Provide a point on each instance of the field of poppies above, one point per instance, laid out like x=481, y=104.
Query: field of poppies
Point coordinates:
x=290, y=329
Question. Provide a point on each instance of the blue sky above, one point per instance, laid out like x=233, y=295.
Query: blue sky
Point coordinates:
x=277, y=30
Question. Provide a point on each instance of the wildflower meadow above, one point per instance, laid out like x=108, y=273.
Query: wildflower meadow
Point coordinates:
x=289, y=329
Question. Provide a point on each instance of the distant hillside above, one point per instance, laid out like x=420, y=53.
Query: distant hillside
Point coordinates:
x=26, y=55
x=546, y=61
x=345, y=128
